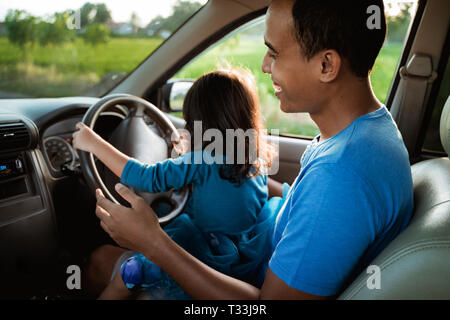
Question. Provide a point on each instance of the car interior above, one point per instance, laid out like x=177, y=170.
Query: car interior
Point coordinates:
x=47, y=199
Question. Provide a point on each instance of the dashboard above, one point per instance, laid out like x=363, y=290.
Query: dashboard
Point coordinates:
x=43, y=208
x=46, y=206
x=56, y=141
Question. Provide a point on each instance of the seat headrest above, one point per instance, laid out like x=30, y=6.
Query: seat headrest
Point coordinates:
x=445, y=126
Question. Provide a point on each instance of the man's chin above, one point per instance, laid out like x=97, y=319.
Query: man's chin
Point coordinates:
x=291, y=107
x=286, y=108
x=283, y=108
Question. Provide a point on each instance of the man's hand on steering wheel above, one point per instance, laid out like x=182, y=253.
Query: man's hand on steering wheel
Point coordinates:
x=134, y=228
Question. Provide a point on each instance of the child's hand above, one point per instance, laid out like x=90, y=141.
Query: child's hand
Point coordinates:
x=181, y=146
x=85, y=138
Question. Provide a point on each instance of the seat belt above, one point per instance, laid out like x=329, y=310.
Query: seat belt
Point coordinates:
x=408, y=106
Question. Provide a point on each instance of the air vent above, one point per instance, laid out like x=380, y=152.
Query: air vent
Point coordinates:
x=14, y=136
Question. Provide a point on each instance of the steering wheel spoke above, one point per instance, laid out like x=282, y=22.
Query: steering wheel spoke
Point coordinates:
x=137, y=111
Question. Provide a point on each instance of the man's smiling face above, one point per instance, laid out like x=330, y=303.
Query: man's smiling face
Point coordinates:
x=294, y=78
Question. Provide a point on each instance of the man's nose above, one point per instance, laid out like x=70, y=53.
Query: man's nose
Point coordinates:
x=266, y=64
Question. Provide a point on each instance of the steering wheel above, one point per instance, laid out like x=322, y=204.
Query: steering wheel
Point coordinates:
x=146, y=134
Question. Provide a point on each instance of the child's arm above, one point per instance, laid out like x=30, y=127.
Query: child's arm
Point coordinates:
x=87, y=140
x=159, y=177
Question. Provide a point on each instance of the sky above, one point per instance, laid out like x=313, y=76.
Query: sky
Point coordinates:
x=121, y=10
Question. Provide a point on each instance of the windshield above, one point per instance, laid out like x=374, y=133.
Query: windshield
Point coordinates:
x=75, y=48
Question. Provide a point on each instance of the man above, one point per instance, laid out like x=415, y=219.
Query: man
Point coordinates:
x=354, y=192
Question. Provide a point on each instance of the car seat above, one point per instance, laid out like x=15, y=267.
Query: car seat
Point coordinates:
x=416, y=264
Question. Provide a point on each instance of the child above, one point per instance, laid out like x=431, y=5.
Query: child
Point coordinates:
x=227, y=218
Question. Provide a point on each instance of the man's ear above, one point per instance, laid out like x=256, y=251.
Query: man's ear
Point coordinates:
x=330, y=65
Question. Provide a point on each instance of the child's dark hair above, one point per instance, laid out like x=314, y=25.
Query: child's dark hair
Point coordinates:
x=227, y=99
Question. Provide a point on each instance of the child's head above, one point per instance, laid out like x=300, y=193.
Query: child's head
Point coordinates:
x=227, y=99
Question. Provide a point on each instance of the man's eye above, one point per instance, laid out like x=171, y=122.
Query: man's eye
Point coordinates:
x=271, y=55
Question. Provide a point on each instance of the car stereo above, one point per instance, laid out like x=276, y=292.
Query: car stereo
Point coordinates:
x=11, y=167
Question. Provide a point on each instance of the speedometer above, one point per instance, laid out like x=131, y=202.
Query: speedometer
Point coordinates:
x=58, y=152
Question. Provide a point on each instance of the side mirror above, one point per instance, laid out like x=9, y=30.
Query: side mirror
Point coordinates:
x=174, y=93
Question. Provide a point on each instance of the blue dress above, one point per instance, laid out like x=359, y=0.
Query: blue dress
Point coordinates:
x=225, y=225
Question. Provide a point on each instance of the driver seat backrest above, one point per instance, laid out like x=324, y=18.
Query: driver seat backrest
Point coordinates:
x=416, y=264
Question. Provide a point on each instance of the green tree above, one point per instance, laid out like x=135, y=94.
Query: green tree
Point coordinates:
x=103, y=14
x=56, y=32
x=154, y=27
x=97, y=33
x=87, y=14
x=182, y=10
x=91, y=13
x=398, y=25
x=21, y=27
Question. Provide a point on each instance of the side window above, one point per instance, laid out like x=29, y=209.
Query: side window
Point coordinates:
x=245, y=47
x=432, y=141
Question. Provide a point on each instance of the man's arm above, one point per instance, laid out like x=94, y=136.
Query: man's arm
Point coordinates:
x=196, y=278
x=275, y=289
x=203, y=282
x=137, y=228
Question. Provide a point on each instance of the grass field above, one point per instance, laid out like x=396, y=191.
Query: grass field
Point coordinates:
x=73, y=68
x=69, y=69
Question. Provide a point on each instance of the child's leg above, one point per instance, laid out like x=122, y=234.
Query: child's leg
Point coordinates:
x=139, y=274
x=136, y=274
x=116, y=290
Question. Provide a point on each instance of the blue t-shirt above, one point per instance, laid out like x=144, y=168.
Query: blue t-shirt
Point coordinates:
x=353, y=195
x=215, y=204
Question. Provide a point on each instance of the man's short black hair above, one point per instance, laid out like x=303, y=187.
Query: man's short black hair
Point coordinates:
x=341, y=25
